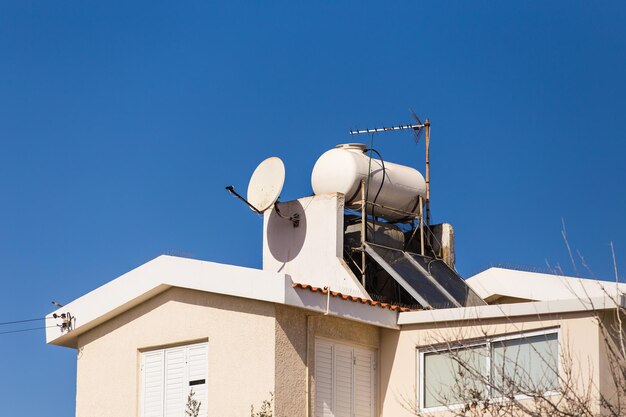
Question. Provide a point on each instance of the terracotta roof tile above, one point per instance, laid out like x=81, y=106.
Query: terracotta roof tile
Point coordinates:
x=350, y=297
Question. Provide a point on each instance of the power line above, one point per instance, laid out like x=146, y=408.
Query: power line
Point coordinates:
x=27, y=330
x=24, y=321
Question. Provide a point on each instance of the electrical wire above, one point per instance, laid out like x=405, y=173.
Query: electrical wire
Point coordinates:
x=27, y=330
x=382, y=163
x=24, y=321
x=369, y=171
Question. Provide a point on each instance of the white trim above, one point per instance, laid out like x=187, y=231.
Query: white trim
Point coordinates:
x=486, y=342
x=165, y=272
x=500, y=282
x=510, y=310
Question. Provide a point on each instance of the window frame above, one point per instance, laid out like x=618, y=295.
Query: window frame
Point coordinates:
x=486, y=342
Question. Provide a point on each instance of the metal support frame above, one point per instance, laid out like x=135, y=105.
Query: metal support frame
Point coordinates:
x=363, y=231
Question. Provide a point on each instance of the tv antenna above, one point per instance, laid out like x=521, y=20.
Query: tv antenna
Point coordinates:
x=418, y=127
x=264, y=188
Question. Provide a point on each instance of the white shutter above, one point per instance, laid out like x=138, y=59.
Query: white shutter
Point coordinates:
x=323, y=379
x=364, y=383
x=343, y=381
x=197, y=365
x=152, y=371
x=175, y=382
x=169, y=375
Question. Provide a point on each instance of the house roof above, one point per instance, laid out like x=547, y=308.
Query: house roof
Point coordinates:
x=158, y=275
x=495, y=283
x=164, y=272
x=532, y=308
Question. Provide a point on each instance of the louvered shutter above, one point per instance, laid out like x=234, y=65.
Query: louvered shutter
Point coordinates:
x=197, y=364
x=169, y=375
x=343, y=381
x=364, y=383
x=323, y=379
x=175, y=382
x=153, y=379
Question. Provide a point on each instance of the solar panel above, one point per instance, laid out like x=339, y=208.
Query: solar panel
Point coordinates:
x=447, y=277
x=431, y=282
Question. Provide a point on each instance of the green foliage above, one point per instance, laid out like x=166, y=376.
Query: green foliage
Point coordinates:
x=193, y=405
x=266, y=408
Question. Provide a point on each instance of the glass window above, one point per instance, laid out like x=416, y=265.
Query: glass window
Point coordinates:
x=454, y=376
x=525, y=366
x=499, y=367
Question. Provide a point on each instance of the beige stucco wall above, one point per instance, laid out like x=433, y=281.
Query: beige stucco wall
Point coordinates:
x=295, y=354
x=291, y=386
x=241, y=352
x=255, y=348
x=399, y=363
x=609, y=334
x=339, y=330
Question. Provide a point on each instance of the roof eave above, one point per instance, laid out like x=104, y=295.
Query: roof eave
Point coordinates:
x=535, y=308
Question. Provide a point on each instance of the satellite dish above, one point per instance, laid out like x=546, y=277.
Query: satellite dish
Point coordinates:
x=266, y=183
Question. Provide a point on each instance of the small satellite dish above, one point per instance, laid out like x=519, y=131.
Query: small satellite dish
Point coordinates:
x=266, y=183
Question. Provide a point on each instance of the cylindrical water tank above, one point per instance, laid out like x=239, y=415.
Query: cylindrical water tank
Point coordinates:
x=341, y=170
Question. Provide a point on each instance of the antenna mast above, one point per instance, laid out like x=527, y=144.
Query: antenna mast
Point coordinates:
x=427, y=146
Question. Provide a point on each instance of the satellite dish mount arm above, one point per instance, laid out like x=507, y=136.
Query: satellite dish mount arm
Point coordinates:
x=294, y=218
x=231, y=190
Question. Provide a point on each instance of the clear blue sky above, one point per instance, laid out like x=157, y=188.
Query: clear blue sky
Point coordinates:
x=121, y=122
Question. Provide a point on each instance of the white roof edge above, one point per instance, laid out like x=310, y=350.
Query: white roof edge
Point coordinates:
x=536, y=286
x=164, y=272
x=534, y=308
x=157, y=275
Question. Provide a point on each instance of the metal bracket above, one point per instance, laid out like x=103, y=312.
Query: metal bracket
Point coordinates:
x=294, y=218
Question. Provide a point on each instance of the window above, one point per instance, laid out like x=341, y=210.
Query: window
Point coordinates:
x=452, y=376
x=169, y=375
x=525, y=365
x=345, y=380
x=501, y=367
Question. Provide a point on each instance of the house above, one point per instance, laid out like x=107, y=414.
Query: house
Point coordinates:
x=319, y=334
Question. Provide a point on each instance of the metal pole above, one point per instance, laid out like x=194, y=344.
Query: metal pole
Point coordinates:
x=363, y=231
x=422, y=224
x=427, y=134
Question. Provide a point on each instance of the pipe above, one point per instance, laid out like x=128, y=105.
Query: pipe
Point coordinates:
x=327, y=300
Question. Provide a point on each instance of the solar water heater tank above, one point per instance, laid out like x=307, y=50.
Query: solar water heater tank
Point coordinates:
x=341, y=170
